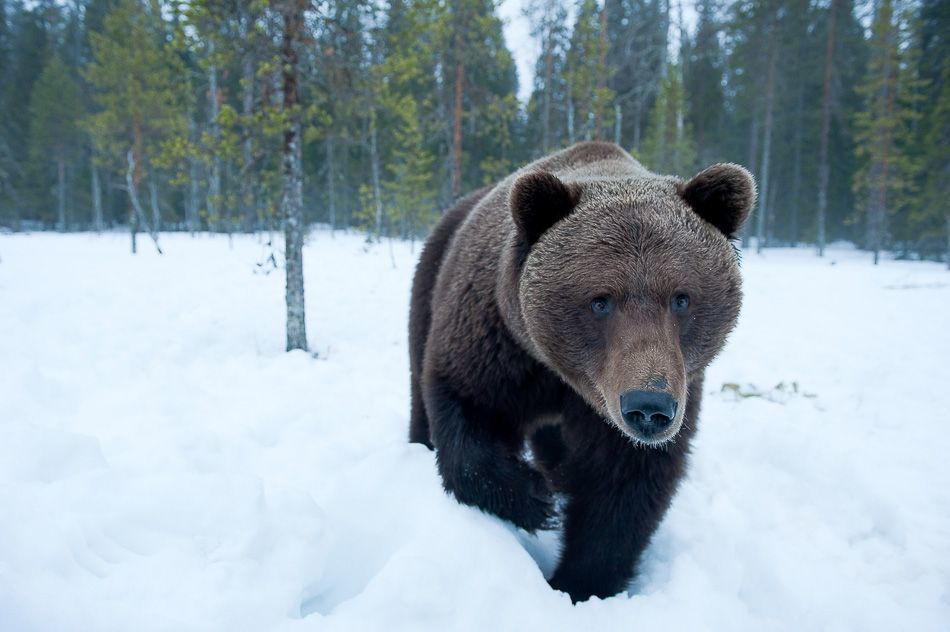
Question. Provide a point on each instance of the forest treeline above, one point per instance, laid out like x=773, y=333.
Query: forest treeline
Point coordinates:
x=223, y=114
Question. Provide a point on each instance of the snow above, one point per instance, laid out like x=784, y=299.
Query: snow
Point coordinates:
x=164, y=465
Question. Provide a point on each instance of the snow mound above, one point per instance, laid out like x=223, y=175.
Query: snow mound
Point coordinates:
x=164, y=465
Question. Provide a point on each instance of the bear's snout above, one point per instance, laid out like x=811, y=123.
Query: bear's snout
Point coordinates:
x=648, y=413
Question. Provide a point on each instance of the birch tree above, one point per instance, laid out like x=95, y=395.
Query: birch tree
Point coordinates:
x=292, y=14
x=136, y=80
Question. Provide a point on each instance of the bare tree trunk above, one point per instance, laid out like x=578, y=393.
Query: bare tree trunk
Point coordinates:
x=597, y=124
x=133, y=229
x=61, y=195
x=877, y=206
x=374, y=163
x=548, y=77
x=659, y=157
x=797, y=162
x=214, y=181
x=753, y=157
x=618, y=122
x=948, y=242
x=876, y=200
x=637, y=117
x=192, y=219
x=138, y=215
x=248, y=203
x=97, y=218
x=292, y=199
x=153, y=202
x=331, y=182
x=457, y=130
x=823, y=166
x=766, y=150
x=571, y=137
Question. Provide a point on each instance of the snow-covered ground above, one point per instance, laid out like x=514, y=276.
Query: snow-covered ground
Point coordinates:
x=164, y=465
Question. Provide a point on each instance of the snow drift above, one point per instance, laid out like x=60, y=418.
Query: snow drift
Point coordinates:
x=165, y=465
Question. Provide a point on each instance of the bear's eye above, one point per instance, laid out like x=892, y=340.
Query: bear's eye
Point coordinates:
x=680, y=303
x=602, y=305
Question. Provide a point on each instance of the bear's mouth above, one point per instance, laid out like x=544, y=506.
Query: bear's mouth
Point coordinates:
x=653, y=440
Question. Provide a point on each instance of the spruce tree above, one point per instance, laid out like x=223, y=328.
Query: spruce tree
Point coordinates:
x=546, y=109
x=479, y=84
x=589, y=116
x=30, y=44
x=637, y=40
x=668, y=147
x=929, y=221
x=55, y=137
x=405, y=82
x=703, y=78
x=138, y=92
x=885, y=181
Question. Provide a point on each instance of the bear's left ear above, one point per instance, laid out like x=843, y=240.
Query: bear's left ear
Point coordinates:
x=538, y=200
x=723, y=195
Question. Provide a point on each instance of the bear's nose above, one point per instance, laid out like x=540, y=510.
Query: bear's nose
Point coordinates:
x=648, y=412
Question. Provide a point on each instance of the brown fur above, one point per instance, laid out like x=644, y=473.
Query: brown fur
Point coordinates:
x=502, y=335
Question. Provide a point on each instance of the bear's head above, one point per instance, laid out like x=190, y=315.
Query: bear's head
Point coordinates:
x=628, y=289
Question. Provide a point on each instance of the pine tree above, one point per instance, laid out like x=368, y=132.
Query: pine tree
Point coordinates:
x=884, y=128
x=668, y=147
x=293, y=25
x=827, y=100
x=929, y=221
x=637, y=40
x=55, y=137
x=702, y=79
x=8, y=166
x=32, y=29
x=135, y=75
x=590, y=98
x=479, y=82
x=409, y=189
x=546, y=109
x=404, y=82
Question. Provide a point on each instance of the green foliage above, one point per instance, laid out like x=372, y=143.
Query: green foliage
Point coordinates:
x=139, y=94
x=668, y=147
x=928, y=221
x=408, y=191
x=55, y=104
x=638, y=49
x=587, y=74
x=469, y=36
x=547, y=109
x=408, y=187
x=194, y=88
x=885, y=182
x=703, y=69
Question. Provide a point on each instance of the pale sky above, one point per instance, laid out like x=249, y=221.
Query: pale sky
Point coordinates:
x=525, y=49
x=518, y=37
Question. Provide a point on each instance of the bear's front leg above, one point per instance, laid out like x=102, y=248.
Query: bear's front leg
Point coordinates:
x=617, y=495
x=477, y=456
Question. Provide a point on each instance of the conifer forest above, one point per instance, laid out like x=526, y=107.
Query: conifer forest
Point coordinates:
x=373, y=115
x=274, y=356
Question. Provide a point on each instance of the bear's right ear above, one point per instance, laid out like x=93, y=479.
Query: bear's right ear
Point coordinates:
x=723, y=195
x=538, y=200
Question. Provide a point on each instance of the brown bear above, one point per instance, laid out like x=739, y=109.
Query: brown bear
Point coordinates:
x=572, y=309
